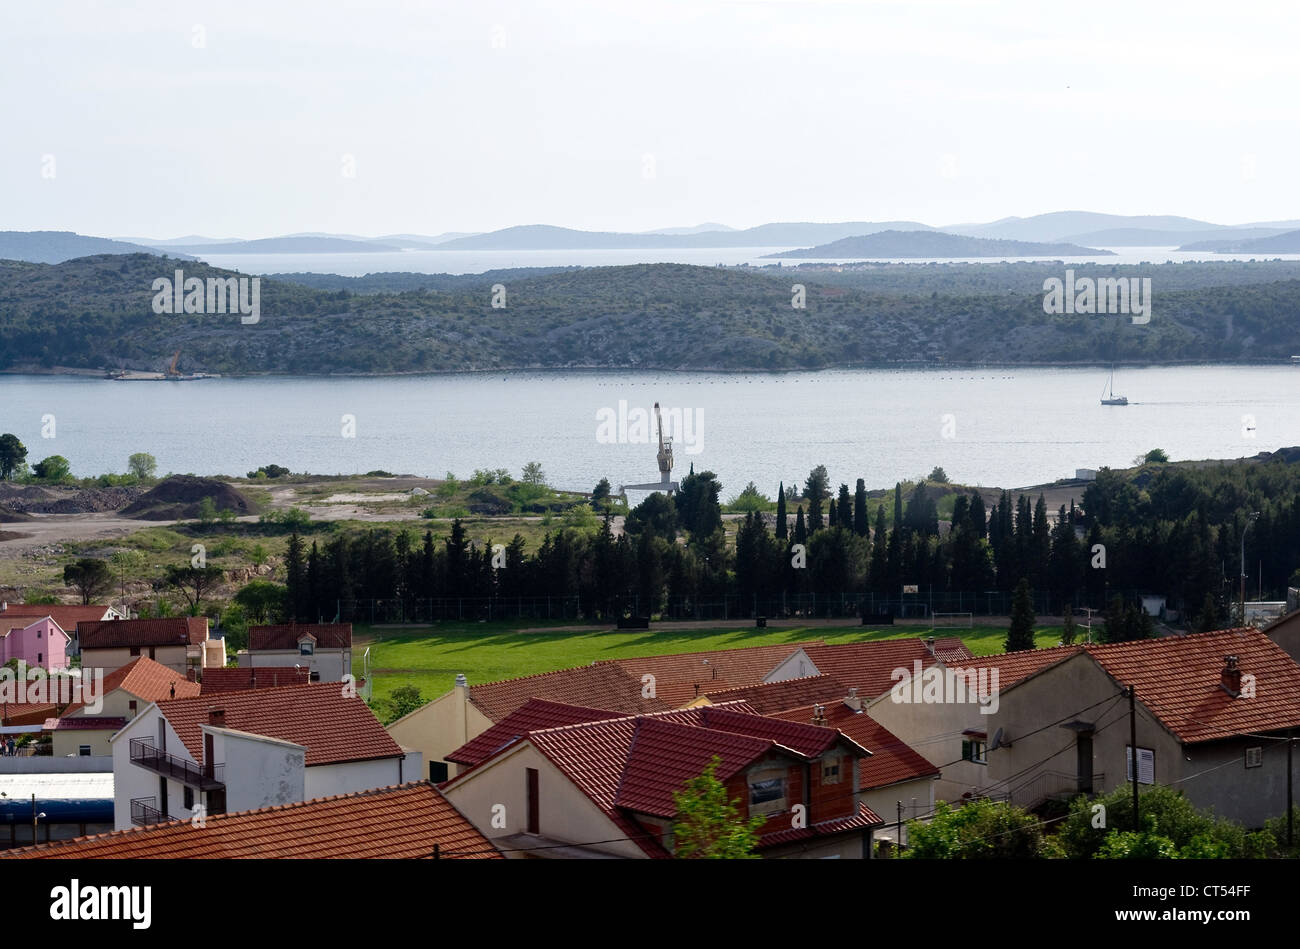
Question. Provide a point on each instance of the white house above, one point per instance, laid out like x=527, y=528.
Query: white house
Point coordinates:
x=324, y=649
x=236, y=751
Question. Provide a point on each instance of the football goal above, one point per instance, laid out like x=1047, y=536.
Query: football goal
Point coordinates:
x=953, y=620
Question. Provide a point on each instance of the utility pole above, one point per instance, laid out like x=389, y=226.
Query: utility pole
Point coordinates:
x=1250, y=519
x=1290, y=807
x=1133, y=739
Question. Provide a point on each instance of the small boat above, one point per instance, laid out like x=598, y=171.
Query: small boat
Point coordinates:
x=1110, y=398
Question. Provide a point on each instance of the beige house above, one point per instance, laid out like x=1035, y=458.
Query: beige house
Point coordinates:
x=180, y=643
x=605, y=789
x=323, y=649
x=126, y=692
x=1211, y=711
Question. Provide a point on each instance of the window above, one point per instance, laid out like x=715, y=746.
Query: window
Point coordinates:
x=1254, y=757
x=40, y=657
x=135, y=650
x=831, y=771
x=975, y=750
x=533, y=796
x=767, y=793
x=1146, y=764
x=131, y=705
x=315, y=675
x=83, y=751
x=38, y=634
x=189, y=798
x=306, y=648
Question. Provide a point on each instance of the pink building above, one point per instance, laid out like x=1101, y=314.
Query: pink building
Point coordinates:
x=42, y=642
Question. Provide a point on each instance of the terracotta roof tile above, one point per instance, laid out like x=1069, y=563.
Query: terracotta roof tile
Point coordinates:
x=600, y=685
x=66, y=616
x=892, y=760
x=389, y=823
x=532, y=715
x=85, y=723
x=286, y=635
x=146, y=680
x=117, y=633
x=1178, y=680
x=243, y=678
x=685, y=676
x=868, y=666
x=332, y=726
x=1014, y=666
x=768, y=697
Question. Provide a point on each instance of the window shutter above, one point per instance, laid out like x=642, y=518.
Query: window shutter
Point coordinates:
x=965, y=751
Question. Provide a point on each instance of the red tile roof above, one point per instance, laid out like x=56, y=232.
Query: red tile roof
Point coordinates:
x=66, y=616
x=811, y=741
x=892, y=760
x=1014, y=666
x=25, y=713
x=332, y=726
x=146, y=680
x=388, y=823
x=88, y=723
x=600, y=685
x=1177, y=680
x=684, y=676
x=286, y=636
x=868, y=666
x=864, y=818
x=243, y=678
x=768, y=697
x=119, y=633
x=533, y=715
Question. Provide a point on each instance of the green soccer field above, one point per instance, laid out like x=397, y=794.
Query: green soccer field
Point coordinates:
x=430, y=657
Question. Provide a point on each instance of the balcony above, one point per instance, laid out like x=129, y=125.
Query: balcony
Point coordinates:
x=207, y=777
x=144, y=813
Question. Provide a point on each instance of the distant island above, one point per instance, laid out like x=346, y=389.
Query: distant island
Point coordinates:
x=1284, y=243
x=891, y=244
x=54, y=247
x=291, y=245
x=94, y=314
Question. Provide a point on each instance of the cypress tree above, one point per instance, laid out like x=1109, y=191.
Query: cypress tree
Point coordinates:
x=781, y=529
x=800, y=529
x=845, y=512
x=1020, y=635
x=861, y=525
x=832, y=516
x=978, y=520
x=879, y=539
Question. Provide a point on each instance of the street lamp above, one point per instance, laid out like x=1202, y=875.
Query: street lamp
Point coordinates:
x=1251, y=518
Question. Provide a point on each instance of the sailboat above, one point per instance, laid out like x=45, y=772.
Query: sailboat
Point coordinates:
x=1110, y=398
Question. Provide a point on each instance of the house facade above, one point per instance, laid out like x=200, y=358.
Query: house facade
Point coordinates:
x=323, y=649
x=126, y=692
x=42, y=643
x=180, y=643
x=237, y=751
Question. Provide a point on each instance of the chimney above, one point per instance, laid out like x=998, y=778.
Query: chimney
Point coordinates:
x=217, y=717
x=853, y=701
x=173, y=691
x=1230, y=677
x=461, y=681
x=819, y=715
x=929, y=644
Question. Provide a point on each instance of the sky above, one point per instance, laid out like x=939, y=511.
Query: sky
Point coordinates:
x=251, y=119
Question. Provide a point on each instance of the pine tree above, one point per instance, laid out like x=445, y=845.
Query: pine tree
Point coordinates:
x=1020, y=635
x=781, y=528
x=861, y=522
x=296, y=577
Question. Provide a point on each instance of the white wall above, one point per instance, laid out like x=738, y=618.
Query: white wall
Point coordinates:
x=258, y=772
x=332, y=664
x=326, y=780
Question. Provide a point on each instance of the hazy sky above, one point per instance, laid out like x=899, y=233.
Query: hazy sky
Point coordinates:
x=244, y=119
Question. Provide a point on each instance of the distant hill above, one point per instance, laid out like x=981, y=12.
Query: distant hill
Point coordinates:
x=54, y=247
x=95, y=313
x=889, y=244
x=292, y=245
x=707, y=228
x=546, y=237
x=1152, y=237
x=1055, y=225
x=1285, y=243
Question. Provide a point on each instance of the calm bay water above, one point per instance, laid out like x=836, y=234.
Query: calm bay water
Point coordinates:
x=477, y=261
x=1010, y=427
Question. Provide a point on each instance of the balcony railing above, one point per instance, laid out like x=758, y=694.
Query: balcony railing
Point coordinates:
x=144, y=813
x=205, y=777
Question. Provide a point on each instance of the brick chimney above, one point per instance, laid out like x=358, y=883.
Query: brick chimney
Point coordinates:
x=852, y=700
x=1230, y=677
x=217, y=717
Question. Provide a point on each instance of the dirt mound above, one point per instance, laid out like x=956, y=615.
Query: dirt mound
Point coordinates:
x=179, y=497
x=10, y=517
